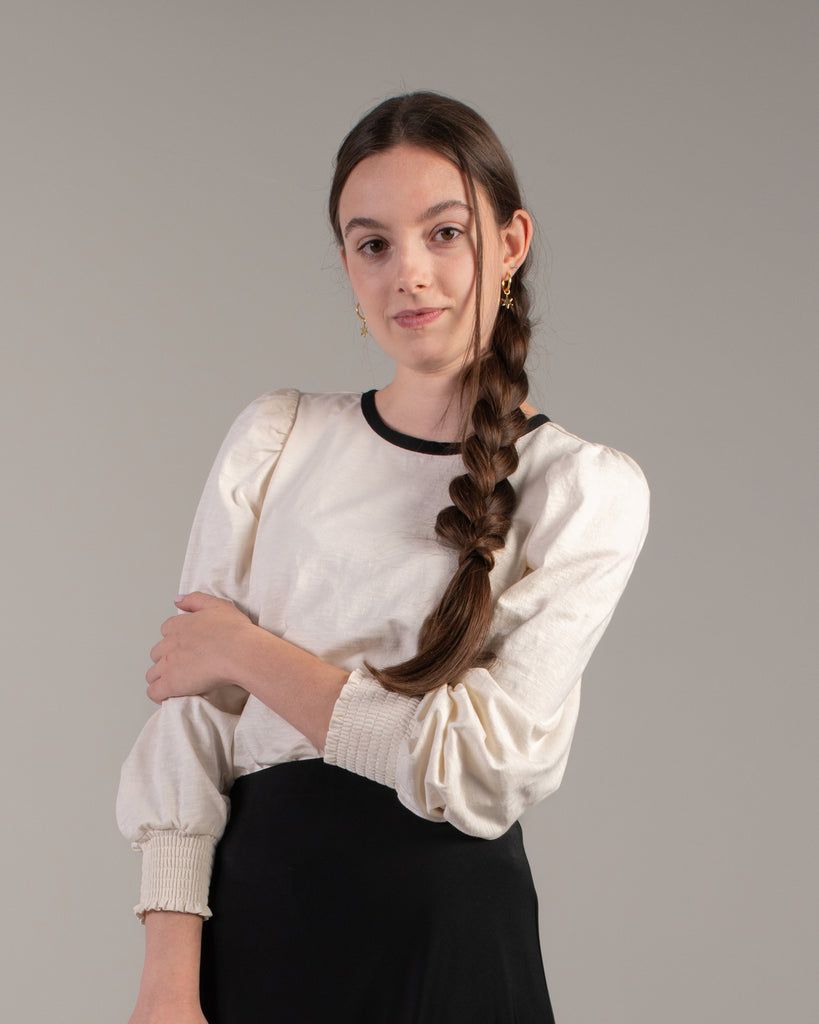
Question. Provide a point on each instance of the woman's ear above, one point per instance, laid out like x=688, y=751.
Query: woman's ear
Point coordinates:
x=517, y=237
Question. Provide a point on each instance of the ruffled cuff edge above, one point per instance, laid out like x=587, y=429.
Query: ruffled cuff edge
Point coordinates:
x=176, y=870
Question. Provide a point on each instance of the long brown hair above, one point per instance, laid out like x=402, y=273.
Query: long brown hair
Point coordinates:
x=453, y=638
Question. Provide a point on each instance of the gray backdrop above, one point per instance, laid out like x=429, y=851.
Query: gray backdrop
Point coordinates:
x=165, y=259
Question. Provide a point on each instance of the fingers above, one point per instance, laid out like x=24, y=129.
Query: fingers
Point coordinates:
x=157, y=651
x=195, y=601
x=170, y=625
x=152, y=677
x=187, y=657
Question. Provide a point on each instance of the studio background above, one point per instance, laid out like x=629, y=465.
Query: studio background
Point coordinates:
x=165, y=258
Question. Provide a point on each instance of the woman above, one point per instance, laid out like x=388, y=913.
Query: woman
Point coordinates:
x=385, y=632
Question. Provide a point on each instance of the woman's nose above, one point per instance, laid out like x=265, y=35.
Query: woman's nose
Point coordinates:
x=413, y=270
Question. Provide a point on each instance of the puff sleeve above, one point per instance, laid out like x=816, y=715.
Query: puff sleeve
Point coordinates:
x=172, y=802
x=480, y=752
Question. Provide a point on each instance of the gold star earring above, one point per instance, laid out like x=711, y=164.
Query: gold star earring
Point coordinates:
x=363, y=320
x=506, y=292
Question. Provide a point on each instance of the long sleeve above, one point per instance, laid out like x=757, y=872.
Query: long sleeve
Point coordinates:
x=479, y=752
x=172, y=802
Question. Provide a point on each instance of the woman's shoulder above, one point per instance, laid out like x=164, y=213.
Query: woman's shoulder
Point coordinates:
x=279, y=409
x=551, y=446
x=286, y=400
x=266, y=425
x=558, y=469
x=264, y=422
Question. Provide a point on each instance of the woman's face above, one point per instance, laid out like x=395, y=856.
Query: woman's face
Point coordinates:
x=410, y=252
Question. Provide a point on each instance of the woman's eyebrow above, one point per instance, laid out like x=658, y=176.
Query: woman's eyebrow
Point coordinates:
x=434, y=211
x=363, y=222
x=447, y=204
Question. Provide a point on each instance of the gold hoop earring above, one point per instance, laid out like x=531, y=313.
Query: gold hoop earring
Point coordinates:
x=363, y=320
x=506, y=292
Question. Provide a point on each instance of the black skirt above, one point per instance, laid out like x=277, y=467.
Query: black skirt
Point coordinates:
x=334, y=903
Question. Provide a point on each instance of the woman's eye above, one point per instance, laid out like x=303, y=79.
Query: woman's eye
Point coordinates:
x=372, y=247
x=447, y=234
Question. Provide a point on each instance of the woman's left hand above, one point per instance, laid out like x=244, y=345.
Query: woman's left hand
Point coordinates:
x=197, y=650
x=215, y=645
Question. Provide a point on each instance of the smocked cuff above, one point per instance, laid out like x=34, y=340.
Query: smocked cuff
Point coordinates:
x=175, y=873
x=368, y=728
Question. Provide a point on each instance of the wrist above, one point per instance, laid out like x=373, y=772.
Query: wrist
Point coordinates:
x=241, y=654
x=249, y=660
x=297, y=685
x=154, y=998
x=172, y=950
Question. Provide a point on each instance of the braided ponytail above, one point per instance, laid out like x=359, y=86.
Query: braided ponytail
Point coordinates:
x=453, y=638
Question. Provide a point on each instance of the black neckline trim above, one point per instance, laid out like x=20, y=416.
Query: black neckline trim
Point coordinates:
x=419, y=444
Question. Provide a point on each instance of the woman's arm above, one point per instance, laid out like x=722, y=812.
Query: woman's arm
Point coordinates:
x=169, y=989
x=479, y=752
x=172, y=803
x=215, y=645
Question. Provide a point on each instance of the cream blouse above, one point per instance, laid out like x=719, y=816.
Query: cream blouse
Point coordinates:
x=317, y=520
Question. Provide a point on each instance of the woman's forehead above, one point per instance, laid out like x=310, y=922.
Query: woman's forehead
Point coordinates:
x=404, y=180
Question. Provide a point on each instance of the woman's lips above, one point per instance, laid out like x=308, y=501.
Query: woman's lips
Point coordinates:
x=417, y=317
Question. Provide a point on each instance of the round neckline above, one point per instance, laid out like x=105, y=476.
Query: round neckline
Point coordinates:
x=420, y=444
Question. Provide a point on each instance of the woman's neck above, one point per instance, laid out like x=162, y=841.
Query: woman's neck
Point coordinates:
x=430, y=409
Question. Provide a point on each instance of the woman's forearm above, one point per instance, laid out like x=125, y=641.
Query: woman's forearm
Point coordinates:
x=170, y=976
x=298, y=686
x=215, y=644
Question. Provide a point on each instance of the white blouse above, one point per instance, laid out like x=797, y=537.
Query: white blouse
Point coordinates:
x=318, y=521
